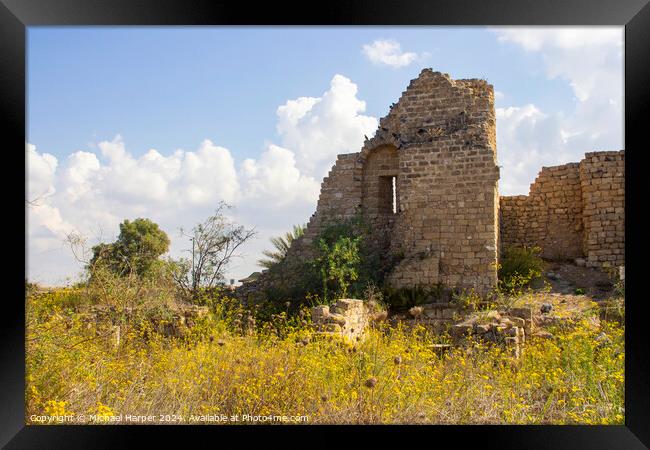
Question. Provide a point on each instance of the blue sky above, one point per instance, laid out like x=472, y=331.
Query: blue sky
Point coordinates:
x=100, y=98
x=171, y=87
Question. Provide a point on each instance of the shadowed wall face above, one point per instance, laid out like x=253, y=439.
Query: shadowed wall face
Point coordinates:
x=379, y=191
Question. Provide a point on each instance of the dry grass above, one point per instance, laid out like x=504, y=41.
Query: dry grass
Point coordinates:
x=393, y=376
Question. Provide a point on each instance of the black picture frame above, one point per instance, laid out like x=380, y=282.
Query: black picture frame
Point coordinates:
x=16, y=15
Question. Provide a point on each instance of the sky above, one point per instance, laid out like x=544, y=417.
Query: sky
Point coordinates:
x=165, y=122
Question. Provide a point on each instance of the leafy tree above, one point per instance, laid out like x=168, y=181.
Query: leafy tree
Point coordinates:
x=338, y=264
x=281, y=244
x=339, y=257
x=214, y=244
x=135, y=251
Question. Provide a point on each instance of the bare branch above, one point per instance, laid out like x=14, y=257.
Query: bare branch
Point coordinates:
x=216, y=242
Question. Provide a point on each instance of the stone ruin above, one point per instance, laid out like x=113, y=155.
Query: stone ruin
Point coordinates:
x=573, y=212
x=506, y=328
x=347, y=318
x=350, y=318
x=427, y=184
x=103, y=318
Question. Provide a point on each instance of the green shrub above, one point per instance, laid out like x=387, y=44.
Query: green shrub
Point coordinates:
x=520, y=260
x=403, y=298
x=338, y=265
x=518, y=267
x=136, y=249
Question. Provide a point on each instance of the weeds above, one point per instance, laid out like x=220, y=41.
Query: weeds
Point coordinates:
x=280, y=366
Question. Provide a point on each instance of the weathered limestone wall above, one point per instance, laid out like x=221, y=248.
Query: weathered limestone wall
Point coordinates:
x=435, y=152
x=339, y=199
x=445, y=228
x=602, y=179
x=573, y=211
x=549, y=217
x=427, y=185
x=379, y=175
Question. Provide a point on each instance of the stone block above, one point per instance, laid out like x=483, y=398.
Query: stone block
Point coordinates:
x=525, y=313
x=319, y=312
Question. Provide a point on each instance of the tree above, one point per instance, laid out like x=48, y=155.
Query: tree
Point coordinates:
x=281, y=244
x=338, y=264
x=339, y=260
x=135, y=251
x=214, y=245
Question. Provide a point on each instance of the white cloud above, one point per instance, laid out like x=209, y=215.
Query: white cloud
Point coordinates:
x=590, y=60
x=41, y=169
x=81, y=170
x=527, y=140
x=276, y=177
x=388, y=52
x=91, y=192
x=318, y=129
x=566, y=38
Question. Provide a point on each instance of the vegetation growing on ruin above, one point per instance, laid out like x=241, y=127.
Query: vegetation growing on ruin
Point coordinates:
x=518, y=267
x=344, y=265
x=346, y=262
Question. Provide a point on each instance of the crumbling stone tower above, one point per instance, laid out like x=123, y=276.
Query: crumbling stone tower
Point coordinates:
x=426, y=183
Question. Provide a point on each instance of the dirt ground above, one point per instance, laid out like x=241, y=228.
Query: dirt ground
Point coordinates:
x=574, y=292
x=570, y=279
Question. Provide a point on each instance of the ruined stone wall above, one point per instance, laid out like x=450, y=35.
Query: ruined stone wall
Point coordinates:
x=602, y=179
x=445, y=229
x=426, y=184
x=573, y=211
x=436, y=153
x=347, y=318
x=379, y=204
x=339, y=199
x=549, y=217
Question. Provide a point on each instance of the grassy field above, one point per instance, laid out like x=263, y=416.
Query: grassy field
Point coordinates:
x=220, y=374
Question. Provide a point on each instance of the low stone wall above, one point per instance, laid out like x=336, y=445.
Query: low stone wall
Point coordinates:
x=435, y=315
x=347, y=318
x=180, y=319
x=509, y=329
